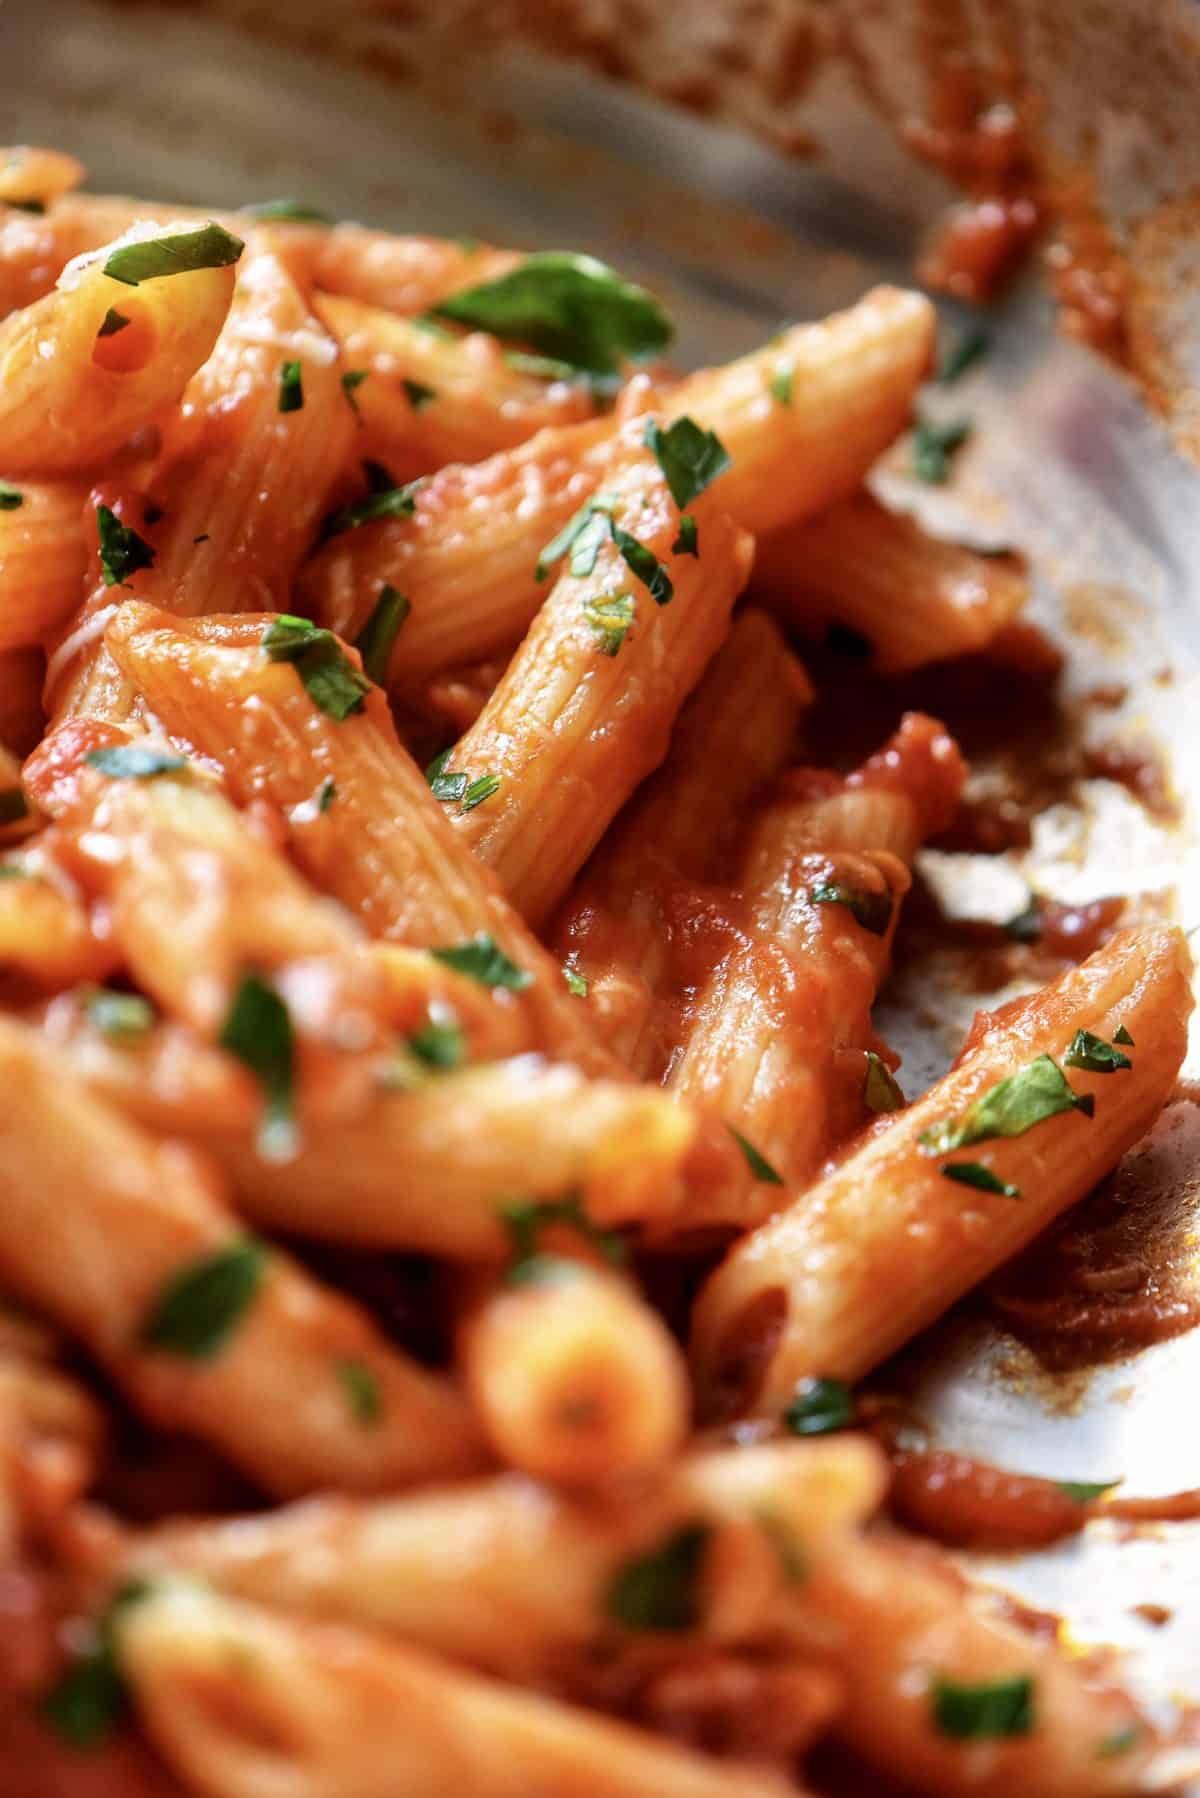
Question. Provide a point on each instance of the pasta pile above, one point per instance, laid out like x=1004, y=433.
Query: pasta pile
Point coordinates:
x=372, y=1130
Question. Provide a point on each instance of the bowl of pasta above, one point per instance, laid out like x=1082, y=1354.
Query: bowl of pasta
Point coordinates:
x=598, y=789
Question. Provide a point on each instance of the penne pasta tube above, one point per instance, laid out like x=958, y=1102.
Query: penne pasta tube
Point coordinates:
x=204, y=1329
x=617, y=929
x=781, y=1029
x=402, y=274
x=427, y=397
x=72, y=389
x=382, y=846
x=503, y=1573
x=42, y=559
x=584, y=711
x=46, y=933
x=30, y=178
x=242, y=1701
x=925, y=1661
x=799, y=1296
x=431, y=1169
x=915, y=598
x=573, y=1377
x=467, y=558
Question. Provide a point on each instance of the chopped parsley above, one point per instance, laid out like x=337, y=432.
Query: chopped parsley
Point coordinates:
x=576, y=983
x=688, y=541
x=780, y=384
x=818, y=1407
x=258, y=1032
x=610, y=616
x=209, y=247
x=1010, y=1108
x=326, y=794
x=1122, y=1036
x=1094, y=1055
x=123, y=1016
x=479, y=790
x=200, y=1307
x=525, y=1221
x=974, y=1173
x=758, y=1164
x=419, y=395
x=113, y=322
x=571, y=308
x=90, y=1698
x=580, y=538
x=353, y=377
x=132, y=761
x=294, y=212
x=10, y=497
x=482, y=959
x=378, y=635
x=440, y=1042
x=122, y=551
x=458, y=786
x=661, y=1590
x=388, y=502
x=1002, y=1707
x=645, y=565
x=546, y=368
x=963, y=354
x=1084, y=1492
x=691, y=459
x=881, y=1091
x=933, y=446
x=1120, y=1742
x=330, y=678
x=291, y=387
x=872, y=910
x=362, y=1392
x=1026, y=926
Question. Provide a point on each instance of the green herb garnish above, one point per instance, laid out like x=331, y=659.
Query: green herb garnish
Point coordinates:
x=933, y=446
x=113, y=322
x=291, y=387
x=258, y=1032
x=1122, y=1036
x=440, y=1042
x=610, y=616
x=378, y=635
x=123, y=1016
x=881, y=1091
x=390, y=502
x=130, y=761
x=963, y=354
x=330, y=678
x=200, y=1307
x=1120, y=1742
x=645, y=565
x=10, y=497
x=1002, y=1707
x=479, y=790
x=1010, y=1108
x=295, y=212
x=1085, y=1492
x=209, y=247
x=1094, y=1055
x=525, y=1221
x=352, y=379
x=974, y=1173
x=690, y=458
x=572, y=308
x=688, y=541
x=872, y=910
x=122, y=551
x=758, y=1164
x=362, y=1392
x=660, y=1590
x=91, y=1699
x=780, y=384
x=419, y=395
x=483, y=960
x=818, y=1407
x=580, y=538
x=326, y=794
x=576, y=983
x=1026, y=926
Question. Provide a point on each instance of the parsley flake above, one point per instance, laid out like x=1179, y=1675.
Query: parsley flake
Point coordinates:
x=209, y=247
x=351, y=379
x=661, y=1590
x=571, y=308
x=482, y=959
x=122, y=551
x=1120, y=1742
x=295, y=212
x=525, y=1221
x=881, y=1091
x=258, y=1033
x=780, y=384
x=576, y=983
x=199, y=1308
x=974, y=1173
x=688, y=541
x=112, y=323
x=479, y=790
x=1010, y=1108
x=122, y=1016
x=1026, y=926
x=418, y=394
x=691, y=459
x=132, y=761
x=818, y=1407
x=963, y=354
x=330, y=678
x=10, y=497
x=1094, y=1055
x=378, y=635
x=291, y=387
x=90, y=1698
x=758, y=1164
x=440, y=1042
x=1002, y=1707
x=1084, y=1492
x=610, y=616
x=326, y=794
x=1122, y=1036
x=388, y=502
x=362, y=1392
x=645, y=565
x=580, y=538
x=933, y=446
x=872, y=910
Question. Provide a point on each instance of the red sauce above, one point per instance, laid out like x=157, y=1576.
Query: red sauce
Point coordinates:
x=1139, y=768
x=1073, y=932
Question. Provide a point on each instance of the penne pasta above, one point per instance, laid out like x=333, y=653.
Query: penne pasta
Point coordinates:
x=780, y=1032
x=31, y=177
x=798, y=1297
x=42, y=559
x=242, y=1701
x=467, y=558
x=585, y=709
x=506, y=1574
x=573, y=1378
x=405, y=275
x=425, y=397
x=201, y=1327
x=46, y=933
x=915, y=598
x=617, y=929
x=415, y=884
x=72, y=392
